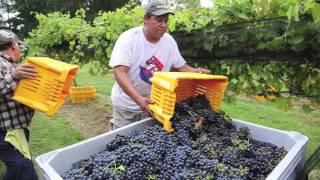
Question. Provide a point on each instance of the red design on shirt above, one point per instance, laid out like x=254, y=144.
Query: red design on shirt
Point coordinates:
x=149, y=67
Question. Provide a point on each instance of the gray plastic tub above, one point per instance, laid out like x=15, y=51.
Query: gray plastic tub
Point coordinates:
x=57, y=162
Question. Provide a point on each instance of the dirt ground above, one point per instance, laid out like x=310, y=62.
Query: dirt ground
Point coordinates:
x=91, y=118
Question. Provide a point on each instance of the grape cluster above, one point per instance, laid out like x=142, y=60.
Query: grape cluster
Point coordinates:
x=211, y=149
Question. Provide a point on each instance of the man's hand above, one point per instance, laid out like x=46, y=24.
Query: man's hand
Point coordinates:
x=144, y=102
x=25, y=71
x=187, y=68
x=201, y=71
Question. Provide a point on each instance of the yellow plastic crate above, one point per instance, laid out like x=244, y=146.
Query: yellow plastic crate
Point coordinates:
x=171, y=87
x=49, y=90
x=259, y=98
x=82, y=94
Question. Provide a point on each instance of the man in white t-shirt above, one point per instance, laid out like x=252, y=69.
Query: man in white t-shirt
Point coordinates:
x=137, y=54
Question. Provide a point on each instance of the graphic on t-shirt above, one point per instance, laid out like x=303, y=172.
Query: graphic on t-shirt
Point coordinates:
x=148, y=68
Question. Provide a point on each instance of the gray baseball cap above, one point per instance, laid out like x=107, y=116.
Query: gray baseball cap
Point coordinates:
x=8, y=36
x=156, y=8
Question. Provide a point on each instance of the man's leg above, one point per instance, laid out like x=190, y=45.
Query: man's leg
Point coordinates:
x=122, y=117
x=18, y=167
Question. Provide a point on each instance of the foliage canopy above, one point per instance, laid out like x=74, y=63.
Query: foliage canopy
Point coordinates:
x=264, y=47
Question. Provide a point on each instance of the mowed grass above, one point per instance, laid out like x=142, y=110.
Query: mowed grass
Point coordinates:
x=48, y=133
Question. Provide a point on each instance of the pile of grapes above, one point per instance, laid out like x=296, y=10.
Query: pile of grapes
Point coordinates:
x=204, y=145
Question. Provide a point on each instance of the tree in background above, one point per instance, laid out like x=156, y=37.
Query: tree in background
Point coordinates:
x=24, y=20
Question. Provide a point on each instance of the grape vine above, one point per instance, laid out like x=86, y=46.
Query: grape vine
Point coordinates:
x=260, y=45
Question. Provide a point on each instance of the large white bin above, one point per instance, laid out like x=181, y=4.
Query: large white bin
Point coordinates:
x=57, y=162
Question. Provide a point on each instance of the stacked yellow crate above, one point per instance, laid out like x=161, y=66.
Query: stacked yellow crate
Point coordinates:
x=82, y=94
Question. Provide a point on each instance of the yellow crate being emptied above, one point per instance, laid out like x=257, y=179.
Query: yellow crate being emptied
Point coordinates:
x=82, y=94
x=169, y=88
x=49, y=90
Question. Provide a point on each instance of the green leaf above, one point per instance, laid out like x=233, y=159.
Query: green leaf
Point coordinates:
x=315, y=12
x=296, y=39
x=290, y=12
x=234, y=81
x=242, y=78
x=275, y=44
x=224, y=66
x=72, y=43
x=207, y=45
x=243, y=16
x=261, y=45
x=296, y=12
x=299, y=47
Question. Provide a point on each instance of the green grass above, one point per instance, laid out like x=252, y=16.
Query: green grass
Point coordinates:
x=51, y=133
x=267, y=114
x=103, y=84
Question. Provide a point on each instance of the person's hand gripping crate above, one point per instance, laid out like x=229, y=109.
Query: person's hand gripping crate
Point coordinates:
x=46, y=93
x=169, y=88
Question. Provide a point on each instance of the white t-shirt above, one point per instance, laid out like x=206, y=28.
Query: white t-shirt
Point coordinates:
x=132, y=49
